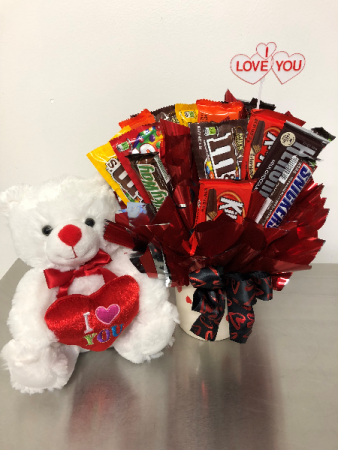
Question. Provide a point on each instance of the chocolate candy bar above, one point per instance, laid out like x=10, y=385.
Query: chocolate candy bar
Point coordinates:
x=323, y=133
x=249, y=106
x=153, y=176
x=263, y=128
x=218, y=148
x=228, y=197
x=212, y=204
x=257, y=140
x=292, y=140
x=165, y=113
x=275, y=207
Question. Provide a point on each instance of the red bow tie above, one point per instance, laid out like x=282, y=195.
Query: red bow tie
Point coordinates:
x=56, y=278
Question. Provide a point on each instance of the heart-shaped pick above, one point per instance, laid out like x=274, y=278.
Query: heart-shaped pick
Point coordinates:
x=251, y=70
x=266, y=50
x=107, y=315
x=95, y=321
x=286, y=67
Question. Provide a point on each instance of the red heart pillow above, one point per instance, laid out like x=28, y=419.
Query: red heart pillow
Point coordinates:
x=94, y=322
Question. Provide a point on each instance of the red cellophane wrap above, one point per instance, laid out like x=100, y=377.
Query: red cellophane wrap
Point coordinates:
x=237, y=247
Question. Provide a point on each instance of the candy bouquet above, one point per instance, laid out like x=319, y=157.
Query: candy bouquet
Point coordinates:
x=220, y=195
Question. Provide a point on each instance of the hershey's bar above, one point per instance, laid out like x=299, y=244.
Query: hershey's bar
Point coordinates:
x=292, y=140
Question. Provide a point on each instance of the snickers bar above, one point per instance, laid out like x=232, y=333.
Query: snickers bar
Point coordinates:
x=291, y=182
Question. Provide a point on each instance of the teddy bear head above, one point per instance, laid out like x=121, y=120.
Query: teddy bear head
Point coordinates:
x=60, y=223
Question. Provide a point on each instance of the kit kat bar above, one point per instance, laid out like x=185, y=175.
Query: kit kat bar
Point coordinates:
x=212, y=204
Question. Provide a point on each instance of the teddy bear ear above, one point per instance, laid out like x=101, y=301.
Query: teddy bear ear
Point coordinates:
x=11, y=197
x=98, y=182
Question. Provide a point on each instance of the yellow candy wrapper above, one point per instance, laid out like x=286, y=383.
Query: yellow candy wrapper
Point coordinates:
x=106, y=162
x=122, y=131
x=186, y=113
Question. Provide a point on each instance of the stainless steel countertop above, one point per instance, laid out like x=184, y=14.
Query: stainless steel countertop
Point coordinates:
x=278, y=391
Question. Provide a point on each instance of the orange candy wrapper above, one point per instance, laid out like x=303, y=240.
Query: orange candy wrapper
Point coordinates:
x=143, y=118
x=210, y=111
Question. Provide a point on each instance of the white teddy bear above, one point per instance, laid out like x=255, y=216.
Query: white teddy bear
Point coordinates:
x=59, y=226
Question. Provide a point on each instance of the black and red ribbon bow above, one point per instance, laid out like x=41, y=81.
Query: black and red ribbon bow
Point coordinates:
x=213, y=287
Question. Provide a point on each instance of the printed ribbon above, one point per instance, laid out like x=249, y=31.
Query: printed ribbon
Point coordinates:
x=55, y=278
x=213, y=287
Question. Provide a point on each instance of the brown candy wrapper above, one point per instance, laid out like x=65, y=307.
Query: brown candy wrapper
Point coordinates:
x=263, y=129
x=166, y=113
x=218, y=148
x=249, y=105
x=292, y=140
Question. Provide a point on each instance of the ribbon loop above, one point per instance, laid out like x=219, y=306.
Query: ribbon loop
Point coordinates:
x=211, y=305
x=241, y=290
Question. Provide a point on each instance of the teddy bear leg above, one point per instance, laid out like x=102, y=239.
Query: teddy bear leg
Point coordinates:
x=148, y=334
x=34, y=370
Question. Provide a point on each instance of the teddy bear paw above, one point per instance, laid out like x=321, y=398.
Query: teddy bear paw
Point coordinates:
x=33, y=371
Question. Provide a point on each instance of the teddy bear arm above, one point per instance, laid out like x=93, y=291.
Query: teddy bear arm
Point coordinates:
x=121, y=264
x=26, y=318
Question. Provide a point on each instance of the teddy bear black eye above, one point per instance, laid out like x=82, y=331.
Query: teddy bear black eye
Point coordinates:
x=46, y=230
x=90, y=222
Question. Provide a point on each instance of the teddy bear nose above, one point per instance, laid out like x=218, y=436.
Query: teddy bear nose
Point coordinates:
x=70, y=235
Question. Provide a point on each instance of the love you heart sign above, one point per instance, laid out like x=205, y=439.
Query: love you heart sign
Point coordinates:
x=255, y=68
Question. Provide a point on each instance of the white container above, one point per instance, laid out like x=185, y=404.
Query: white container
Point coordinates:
x=188, y=317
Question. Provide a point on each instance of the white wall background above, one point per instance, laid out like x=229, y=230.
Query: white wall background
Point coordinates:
x=71, y=69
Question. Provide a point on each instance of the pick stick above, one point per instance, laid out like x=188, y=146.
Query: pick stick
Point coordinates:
x=260, y=92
